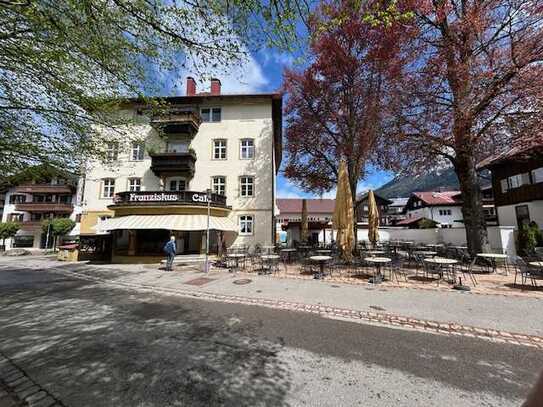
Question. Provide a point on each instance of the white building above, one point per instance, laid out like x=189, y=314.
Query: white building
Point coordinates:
x=161, y=165
x=31, y=202
x=444, y=208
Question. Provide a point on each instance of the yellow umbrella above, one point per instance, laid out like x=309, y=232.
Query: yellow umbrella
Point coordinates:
x=304, y=234
x=373, y=219
x=343, y=213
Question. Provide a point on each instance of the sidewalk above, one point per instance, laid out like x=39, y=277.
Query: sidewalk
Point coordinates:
x=451, y=310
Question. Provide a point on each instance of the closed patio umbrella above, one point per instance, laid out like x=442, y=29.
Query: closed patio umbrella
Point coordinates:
x=304, y=233
x=344, y=214
x=373, y=219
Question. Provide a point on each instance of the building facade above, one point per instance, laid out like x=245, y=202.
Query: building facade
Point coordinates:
x=32, y=202
x=361, y=209
x=517, y=181
x=156, y=174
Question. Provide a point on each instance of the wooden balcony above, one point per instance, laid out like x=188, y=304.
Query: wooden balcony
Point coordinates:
x=173, y=164
x=172, y=121
x=31, y=225
x=44, y=189
x=45, y=207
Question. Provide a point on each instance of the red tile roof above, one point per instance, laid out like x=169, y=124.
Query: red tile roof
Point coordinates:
x=521, y=147
x=438, y=198
x=287, y=205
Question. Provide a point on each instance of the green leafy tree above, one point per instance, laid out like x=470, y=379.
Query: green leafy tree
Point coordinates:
x=63, y=63
x=8, y=230
x=58, y=227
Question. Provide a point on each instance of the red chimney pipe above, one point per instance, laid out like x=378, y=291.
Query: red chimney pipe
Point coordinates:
x=191, y=86
x=215, y=86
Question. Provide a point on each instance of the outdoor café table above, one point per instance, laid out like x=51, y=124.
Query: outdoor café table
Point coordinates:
x=269, y=258
x=374, y=252
x=442, y=262
x=236, y=257
x=492, y=257
x=289, y=253
x=378, y=262
x=269, y=249
x=428, y=253
x=538, y=264
x=322, y=260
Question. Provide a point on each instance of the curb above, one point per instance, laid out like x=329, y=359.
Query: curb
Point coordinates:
x=23, y=387
x=386, y=319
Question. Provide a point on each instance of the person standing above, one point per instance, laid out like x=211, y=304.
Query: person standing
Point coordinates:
x=170, y=249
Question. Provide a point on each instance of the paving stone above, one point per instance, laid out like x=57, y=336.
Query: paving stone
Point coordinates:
x=29, y=391
x=17, y=382
x=7, y=401
x=46, y=402
x=35, y=397
x=23, y=386
x=14, y=377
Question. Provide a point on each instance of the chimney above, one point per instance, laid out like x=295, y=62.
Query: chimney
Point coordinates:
x=215, y=86
x=191, y=86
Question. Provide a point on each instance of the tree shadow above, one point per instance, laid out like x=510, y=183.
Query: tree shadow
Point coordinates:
x=93, y=346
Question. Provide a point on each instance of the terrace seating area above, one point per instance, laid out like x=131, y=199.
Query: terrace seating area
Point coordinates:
x=395, y=263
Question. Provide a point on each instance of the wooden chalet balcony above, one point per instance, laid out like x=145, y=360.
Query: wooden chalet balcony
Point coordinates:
x=173, y=164
x=44, y=189
x=177, y=121
x=31, y=225
x=44, y=207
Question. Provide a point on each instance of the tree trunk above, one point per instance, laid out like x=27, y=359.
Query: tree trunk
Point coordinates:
x=472, y=209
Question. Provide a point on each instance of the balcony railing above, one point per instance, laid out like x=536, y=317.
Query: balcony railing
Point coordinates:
x=177, y=121
x=44, y=189
x=44, y=207
x=153, y=198
x=172, y=164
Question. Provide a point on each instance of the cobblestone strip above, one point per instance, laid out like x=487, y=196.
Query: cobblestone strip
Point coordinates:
x=27, y=391
x=379, y=318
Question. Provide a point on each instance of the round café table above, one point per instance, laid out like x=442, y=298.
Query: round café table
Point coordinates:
x=378, y=262
x=492, y=257
x=288, y=252
x=374, y=252
x=322, y=260
x=428, y=253
x=269, y=249
x=443, y=262
x=536, y=264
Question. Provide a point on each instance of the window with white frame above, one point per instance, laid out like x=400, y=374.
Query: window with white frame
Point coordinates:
x=504, y=185
x=445, y=212
x=247, y=147
x=137, y=151
x=210, y=114
x=246, y=225
x=218, y=185
x=177, y=184
x=108, y=188
x=246, y=186
x=134, y=184
x=112, y=151
x=219, y=149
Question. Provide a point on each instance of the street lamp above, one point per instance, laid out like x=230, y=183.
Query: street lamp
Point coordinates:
x=208, y=196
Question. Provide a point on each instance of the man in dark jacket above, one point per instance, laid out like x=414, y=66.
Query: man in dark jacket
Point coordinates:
x=170, y=249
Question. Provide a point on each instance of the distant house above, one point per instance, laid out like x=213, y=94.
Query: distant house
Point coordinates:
x=444, y=208
x=319, y=215
x=517, y=182
x=361, y=209
x=395, y=212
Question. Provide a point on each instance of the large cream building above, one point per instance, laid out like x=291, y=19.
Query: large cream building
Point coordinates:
x=153, y=182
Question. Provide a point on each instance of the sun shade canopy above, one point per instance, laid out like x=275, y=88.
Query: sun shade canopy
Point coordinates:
x=168, y=222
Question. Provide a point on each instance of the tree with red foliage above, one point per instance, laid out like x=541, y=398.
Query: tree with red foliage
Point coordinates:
x=475, y=71
x=337, y=105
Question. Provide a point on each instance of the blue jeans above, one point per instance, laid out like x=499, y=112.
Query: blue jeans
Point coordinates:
x=169, y=261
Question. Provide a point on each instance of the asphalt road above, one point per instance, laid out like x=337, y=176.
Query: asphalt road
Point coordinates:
x=93, y=345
